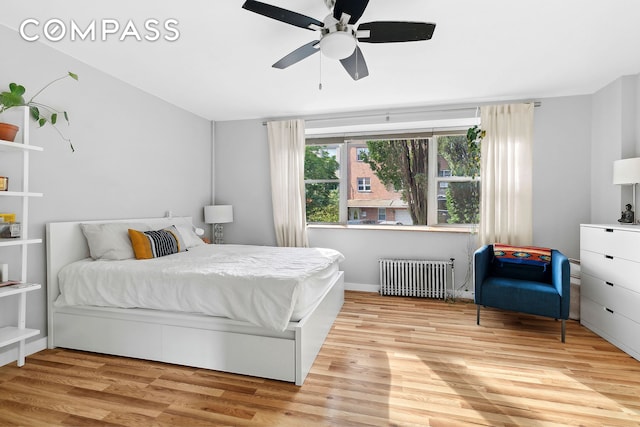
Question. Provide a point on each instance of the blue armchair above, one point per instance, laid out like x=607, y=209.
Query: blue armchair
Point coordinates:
x=533, y=289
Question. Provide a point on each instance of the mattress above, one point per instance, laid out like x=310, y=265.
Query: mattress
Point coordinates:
x=263, y=285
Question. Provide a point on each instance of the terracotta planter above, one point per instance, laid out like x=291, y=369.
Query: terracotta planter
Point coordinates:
x=8, y=132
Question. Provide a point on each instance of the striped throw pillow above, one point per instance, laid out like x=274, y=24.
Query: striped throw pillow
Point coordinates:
x=157, y=243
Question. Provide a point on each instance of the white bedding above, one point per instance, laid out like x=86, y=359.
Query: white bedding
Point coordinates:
x=263, y=285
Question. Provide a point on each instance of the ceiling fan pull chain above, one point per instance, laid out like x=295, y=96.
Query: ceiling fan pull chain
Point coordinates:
x=320, y=84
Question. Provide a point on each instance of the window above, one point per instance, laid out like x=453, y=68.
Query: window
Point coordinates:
x=458, y=193
x=322, y=174
x=416, y=179
x=364, y=184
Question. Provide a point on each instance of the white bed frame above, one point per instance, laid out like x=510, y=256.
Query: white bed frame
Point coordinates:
x=186, y=339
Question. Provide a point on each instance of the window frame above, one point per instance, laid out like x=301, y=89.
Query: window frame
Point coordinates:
x=341, y=143
x=437, y=180
x=366, y=184
x=341, y=153
x=360, y=150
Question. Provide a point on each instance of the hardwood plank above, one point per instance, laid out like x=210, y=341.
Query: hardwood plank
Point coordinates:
x=387, y=361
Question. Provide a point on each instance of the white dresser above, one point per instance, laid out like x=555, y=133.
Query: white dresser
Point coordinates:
x=610, y=285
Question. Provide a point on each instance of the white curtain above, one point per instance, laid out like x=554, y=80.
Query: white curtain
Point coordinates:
x=506, y=175
x=286, y=152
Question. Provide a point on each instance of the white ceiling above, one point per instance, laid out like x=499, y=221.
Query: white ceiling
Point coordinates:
x=481, y=50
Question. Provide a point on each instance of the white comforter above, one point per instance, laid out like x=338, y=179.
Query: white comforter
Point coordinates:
x=263, y=285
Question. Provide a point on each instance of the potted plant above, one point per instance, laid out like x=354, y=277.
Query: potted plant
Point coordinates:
x=41, y=113
x=474, y=138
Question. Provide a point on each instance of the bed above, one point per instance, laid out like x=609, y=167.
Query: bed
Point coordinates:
x=249, y=344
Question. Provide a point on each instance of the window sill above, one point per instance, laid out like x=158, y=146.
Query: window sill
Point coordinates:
x=414, y=228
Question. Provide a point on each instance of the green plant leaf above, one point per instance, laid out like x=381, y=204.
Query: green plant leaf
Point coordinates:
x=35, y=113
x=54, y=118
x=42, y=121
x=13, y=98
x=66, y=116
x=74, y=76
x=16, y=89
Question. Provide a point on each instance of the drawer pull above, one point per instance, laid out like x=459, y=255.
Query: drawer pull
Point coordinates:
x=609, y=283
x=610, y=311
x=608, y=230
x=608, y=257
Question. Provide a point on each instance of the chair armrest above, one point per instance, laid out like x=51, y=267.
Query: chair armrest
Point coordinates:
x=481, y=268
x=560, y=278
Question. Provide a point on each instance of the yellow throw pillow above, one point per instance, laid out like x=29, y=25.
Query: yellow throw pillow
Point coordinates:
x=154, y=244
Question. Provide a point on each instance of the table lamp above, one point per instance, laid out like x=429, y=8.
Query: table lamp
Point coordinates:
x=218, y=215
x=627, y=171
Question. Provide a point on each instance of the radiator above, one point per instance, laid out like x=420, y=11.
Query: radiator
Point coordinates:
x=416, y=278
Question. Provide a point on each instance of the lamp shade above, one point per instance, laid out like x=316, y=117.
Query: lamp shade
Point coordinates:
x=626, y=171
x=218, y=214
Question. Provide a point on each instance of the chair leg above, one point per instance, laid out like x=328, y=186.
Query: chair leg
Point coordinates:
x=478, y=315
x=564, y=328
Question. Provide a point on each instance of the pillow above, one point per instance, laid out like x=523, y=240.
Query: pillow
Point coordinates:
x=157, y=243
x=110, y=240
x=184, y=226
x=524, y=263
x=531, y=255
x=191, y=239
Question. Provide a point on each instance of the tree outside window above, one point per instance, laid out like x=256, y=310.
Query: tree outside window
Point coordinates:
x=322, y=184
x=403, y=164
x=462, y=192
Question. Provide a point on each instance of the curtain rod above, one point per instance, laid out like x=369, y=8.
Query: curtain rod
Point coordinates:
x=399, y=112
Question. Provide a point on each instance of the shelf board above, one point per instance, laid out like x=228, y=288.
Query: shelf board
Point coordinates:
x=20, y=194
x=18, y=289
x=12, y=334
x=17, y=146
x=17, y=242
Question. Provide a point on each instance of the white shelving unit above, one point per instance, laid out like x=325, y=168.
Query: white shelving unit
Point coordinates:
x=18, y=333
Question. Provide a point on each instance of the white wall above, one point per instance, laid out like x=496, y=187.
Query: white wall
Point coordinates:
x=242, y=180
x=561, y=172
x=637, y=117
x=136, y=155
x=614, y=130
x=561, y=195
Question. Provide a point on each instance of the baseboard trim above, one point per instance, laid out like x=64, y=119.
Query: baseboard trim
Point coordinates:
x=11, y=355
x=365, y=287
x=362, y=287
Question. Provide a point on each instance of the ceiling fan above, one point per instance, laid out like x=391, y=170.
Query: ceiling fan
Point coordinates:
x=338, y=36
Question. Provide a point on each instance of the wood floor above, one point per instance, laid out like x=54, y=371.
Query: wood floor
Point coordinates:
x=387, y=361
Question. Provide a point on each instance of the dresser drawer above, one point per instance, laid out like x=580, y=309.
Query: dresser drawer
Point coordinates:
x=618, y=271
x=611, y=241
x=619, y=330
x=609, y=295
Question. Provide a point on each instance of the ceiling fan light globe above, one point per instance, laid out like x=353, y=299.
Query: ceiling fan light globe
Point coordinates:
x=338, y=45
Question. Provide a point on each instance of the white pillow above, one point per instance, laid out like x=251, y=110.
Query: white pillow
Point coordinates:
x=190, y=238
x=184, y=226
x=110, y=240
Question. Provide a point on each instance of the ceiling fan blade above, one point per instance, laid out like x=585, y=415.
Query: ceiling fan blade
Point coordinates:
x=298, y=55
x=353, y=8
x=282, y=15
x=394, y=31
x=355, y=65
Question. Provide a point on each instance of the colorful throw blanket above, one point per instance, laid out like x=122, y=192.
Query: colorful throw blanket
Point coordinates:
x=531, y=255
